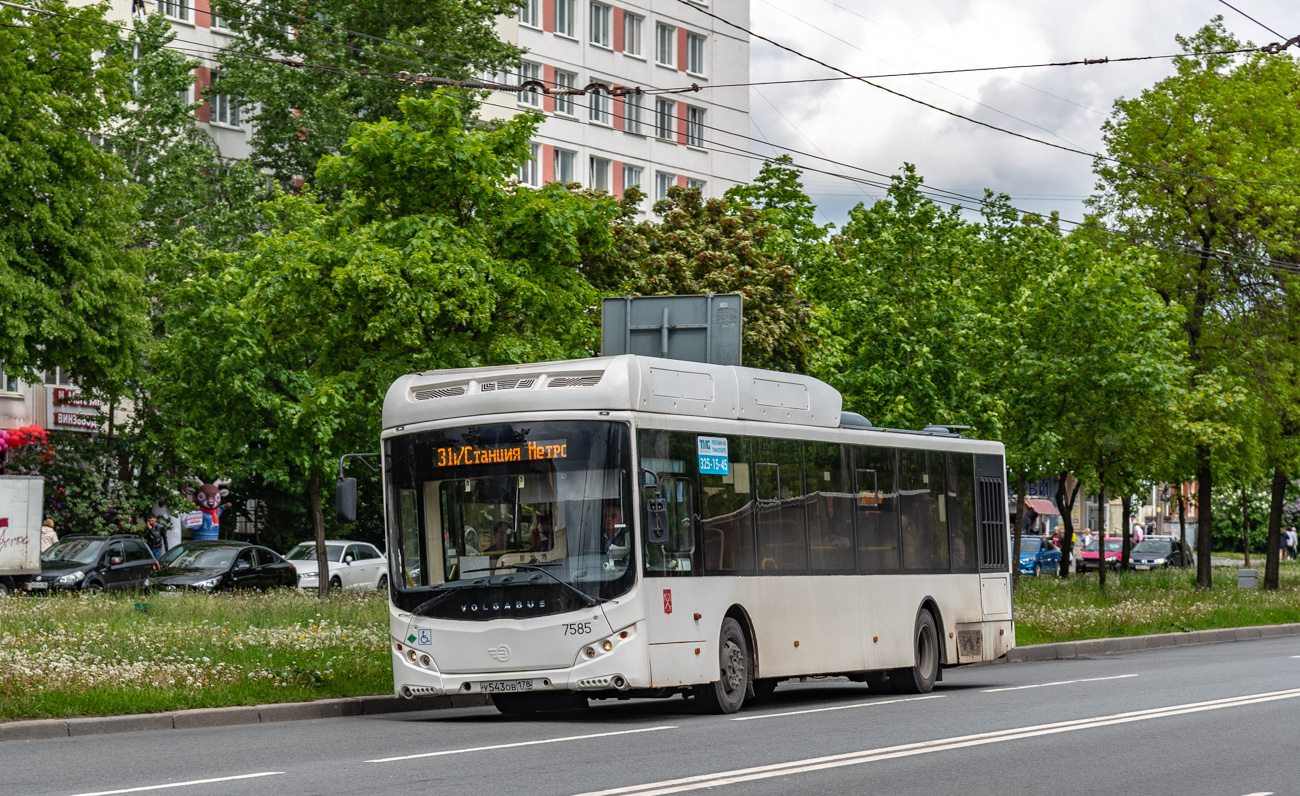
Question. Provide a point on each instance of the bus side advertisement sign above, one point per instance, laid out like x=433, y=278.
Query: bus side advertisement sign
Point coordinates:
x=713, y=456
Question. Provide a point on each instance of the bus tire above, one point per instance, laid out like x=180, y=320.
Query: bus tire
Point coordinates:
x=920, y=677
x=727, y=693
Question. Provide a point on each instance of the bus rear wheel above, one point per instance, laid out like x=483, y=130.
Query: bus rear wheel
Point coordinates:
x=727, y=693
x=920, y=677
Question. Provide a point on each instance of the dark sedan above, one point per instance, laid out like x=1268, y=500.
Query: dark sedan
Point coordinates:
x=223, y=566
x=1038, y=556
x=81, y=562
x=1158, y=554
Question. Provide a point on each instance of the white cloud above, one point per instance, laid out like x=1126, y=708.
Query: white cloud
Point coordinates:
x=860, y=125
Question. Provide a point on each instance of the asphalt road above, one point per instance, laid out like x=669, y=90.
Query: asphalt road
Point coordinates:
x=1216, y=719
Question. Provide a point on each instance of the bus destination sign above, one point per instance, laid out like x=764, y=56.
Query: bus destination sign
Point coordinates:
x=501, y=454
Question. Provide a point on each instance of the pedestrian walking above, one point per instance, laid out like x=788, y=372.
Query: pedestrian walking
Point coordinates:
x=1137, y=533
x=48, y=536
x=1292, y=542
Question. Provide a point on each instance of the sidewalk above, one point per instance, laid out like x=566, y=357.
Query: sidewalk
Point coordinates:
x=374, y=705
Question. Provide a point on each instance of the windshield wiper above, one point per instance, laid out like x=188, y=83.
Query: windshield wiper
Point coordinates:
x=586, y=598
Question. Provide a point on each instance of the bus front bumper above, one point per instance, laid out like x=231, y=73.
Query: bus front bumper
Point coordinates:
x=617, y=663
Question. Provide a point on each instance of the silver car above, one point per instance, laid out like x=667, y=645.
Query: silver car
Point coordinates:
x=352, y=565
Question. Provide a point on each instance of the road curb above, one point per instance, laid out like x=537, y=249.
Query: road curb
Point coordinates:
x=43, y=729
x=1068, y=650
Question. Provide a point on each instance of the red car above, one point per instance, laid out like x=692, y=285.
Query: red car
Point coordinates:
x=1087, y=560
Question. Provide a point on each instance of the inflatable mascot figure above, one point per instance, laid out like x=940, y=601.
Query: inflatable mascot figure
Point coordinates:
x=208, y=498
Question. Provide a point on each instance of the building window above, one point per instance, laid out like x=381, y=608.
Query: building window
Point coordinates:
x=698, y=184
x=694, y=126
x=564, y=102
x=599, y=108
x=600, y=174
x=664, y=35
x=220, y=23
x=8, y=381
x=601, y=15
x=530, y=98
x=631, y=177
x=530, y=171
x=564, y=162
x=564, y=23
x=664, y=118
x=530, y=13
x=632, y=113
x=225, y=108
x=695, y=53
x=58, y=378
x=632, y=34
x=663, y=181
x=176, y=9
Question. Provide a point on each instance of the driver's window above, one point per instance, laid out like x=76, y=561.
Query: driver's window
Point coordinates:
x=115, y=551
x=669, y=458
x=245, y=560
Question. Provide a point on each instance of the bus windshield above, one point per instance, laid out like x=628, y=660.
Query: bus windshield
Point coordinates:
x=544, y=505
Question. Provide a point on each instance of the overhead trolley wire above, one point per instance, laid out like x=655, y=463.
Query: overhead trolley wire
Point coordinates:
x=1252, y=19
x=958, y=200
x=1272, y=49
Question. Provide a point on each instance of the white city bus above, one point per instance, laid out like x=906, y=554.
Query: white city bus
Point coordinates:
x=634, y=527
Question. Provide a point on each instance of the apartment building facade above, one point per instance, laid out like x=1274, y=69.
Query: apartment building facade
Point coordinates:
x=651, y=140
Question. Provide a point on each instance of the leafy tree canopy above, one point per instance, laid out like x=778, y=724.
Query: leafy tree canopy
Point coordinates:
x=70, y=287
x=300, y=115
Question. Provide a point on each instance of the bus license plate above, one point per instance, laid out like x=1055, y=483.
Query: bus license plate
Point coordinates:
x=506, y=686
x=36, y=586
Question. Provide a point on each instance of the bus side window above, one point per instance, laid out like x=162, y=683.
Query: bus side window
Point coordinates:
x=876, y=508
x=961, y=513
x=779, y=495
x=727, y=514
x=670, y=456
x=830, y=507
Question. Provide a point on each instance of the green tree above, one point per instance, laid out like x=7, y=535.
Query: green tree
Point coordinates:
x=278, y=356
x=900, y=328
x=1225, y=138
x=300, y=115
x=720, y=246
x=71, y=288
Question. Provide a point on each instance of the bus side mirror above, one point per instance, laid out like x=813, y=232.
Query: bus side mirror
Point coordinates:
x=656, y=512
x=345, y=500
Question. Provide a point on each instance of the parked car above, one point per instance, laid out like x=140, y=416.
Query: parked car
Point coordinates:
x=223, y=566
x=1157, y=554
x=352, y=565
x=1038, y=555
x=82, y=562
x=1088, y=558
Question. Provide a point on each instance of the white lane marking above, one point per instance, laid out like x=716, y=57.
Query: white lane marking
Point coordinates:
x=1264, y=792
x=926, y=747
x=180, y=784
x=1058, y=682
x=837, y=707
x=521, y=743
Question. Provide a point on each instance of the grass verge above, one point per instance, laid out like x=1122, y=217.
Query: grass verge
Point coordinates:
x=1137, y=603
x=97, y=656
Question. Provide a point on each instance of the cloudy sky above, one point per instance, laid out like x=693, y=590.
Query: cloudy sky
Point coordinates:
x=860, y=125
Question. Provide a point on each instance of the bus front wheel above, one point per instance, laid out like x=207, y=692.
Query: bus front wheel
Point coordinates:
x=727, y=693
x=919, y=678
